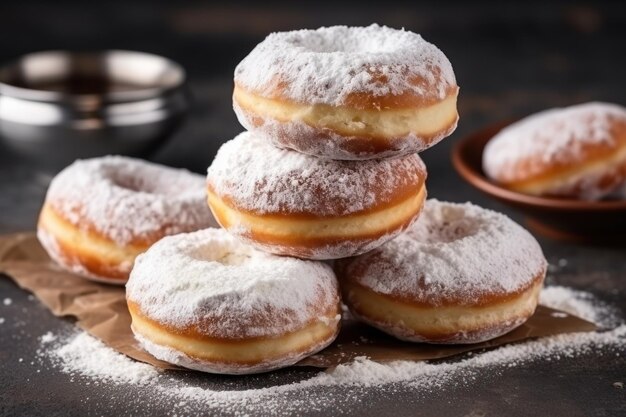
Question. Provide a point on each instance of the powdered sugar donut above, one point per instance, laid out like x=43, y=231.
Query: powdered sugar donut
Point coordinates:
x=461, y=274
x=100, y=213
x=288, y=203
x=577, y=152
x=206, y=301
x=347, y=92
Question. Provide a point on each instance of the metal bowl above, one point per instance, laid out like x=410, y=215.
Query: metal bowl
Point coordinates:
x=58, y=106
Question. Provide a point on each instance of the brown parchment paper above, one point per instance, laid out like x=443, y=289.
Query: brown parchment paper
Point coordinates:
x=100, y=309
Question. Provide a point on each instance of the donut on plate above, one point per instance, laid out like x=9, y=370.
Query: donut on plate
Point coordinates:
x=460, y=274
x=288, y=203
x=576, y=152
x=347, y=92
x=100, y=213
x=206, y=301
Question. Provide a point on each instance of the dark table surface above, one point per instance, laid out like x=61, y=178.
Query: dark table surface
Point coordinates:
x=509, y=61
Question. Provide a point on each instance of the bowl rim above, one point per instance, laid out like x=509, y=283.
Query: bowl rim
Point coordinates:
x=141, y=93
x=479, y=180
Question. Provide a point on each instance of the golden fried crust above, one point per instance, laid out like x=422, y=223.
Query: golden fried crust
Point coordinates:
x=200, y=330
x=384, y=196
x=488, y=317
x=604, y=166
x=364, y=128
x=85, y=251
x=442, y=114
x=303, y=236
x=200, y=345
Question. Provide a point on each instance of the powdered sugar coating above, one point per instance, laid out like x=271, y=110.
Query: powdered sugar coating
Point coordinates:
x=454, y=254
x=127, y=199
x=554, y=134
x=227, y=289
x=86, y=356
x=326, y=65
x=261, y=178
x=557, y=137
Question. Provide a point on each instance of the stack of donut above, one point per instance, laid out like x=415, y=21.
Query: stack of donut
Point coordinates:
x=328, y=167
x=328, y=170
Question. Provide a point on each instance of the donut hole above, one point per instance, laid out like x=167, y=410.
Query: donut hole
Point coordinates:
x=233, y=259
x=129, y=183
x=445, y=225
x=351, y=43
x=228, y=256
x=147, y=181
x=350, y=46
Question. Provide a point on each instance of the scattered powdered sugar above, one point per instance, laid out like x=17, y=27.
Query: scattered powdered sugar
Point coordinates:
x=210, y=277
x=85, y=355
x=580, y=303
x=262, y=178
x=48, y=337
x=7, y=302
x=126, y=199
x=456, y=253
x=434, y=374
x=565, y=345
x=80, y=354
x=327, y=65
x=558, y=136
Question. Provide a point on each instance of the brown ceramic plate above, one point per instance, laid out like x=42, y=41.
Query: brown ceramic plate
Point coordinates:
x=598, y=221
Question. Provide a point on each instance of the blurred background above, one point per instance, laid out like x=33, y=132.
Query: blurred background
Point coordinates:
x=510, y=60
